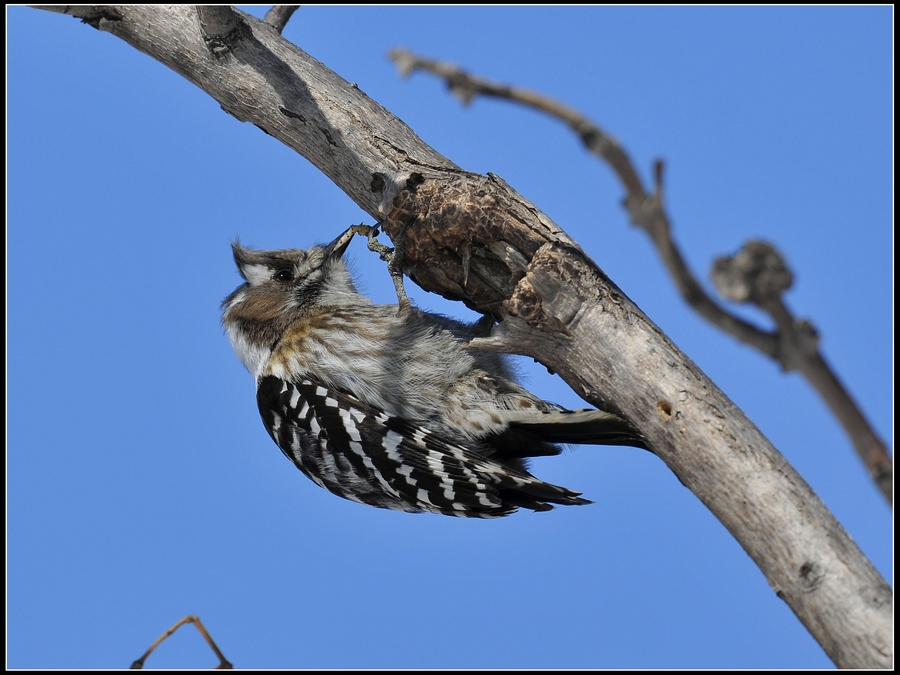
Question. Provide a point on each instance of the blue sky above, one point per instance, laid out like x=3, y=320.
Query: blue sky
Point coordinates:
x=141, y=483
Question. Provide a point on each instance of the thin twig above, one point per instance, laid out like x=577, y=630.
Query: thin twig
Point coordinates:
x=224, y=664
x=789, y=344
x=279, y=15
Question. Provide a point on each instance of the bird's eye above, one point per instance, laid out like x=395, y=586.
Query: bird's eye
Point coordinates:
x=283, y=276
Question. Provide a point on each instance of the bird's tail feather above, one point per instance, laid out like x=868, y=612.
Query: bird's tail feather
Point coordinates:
x=593, y=427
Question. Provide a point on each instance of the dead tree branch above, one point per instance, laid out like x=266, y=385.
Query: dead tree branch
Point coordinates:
x=793, y=343
x=472, y=238
x=279, y=15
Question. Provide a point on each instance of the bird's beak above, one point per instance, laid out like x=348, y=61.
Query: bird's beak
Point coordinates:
x=336, y=248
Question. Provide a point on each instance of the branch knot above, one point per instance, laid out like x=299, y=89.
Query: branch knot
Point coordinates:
x=757, y=273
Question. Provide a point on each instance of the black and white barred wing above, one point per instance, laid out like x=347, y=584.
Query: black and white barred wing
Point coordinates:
x=361, y=453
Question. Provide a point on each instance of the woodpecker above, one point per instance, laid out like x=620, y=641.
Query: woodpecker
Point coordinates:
x=386, y=405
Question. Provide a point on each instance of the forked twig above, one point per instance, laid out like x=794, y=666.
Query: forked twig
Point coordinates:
x=757, y=274
x=224, y=664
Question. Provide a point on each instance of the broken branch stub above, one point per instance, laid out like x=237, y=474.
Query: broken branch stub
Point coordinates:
x=469, y=237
